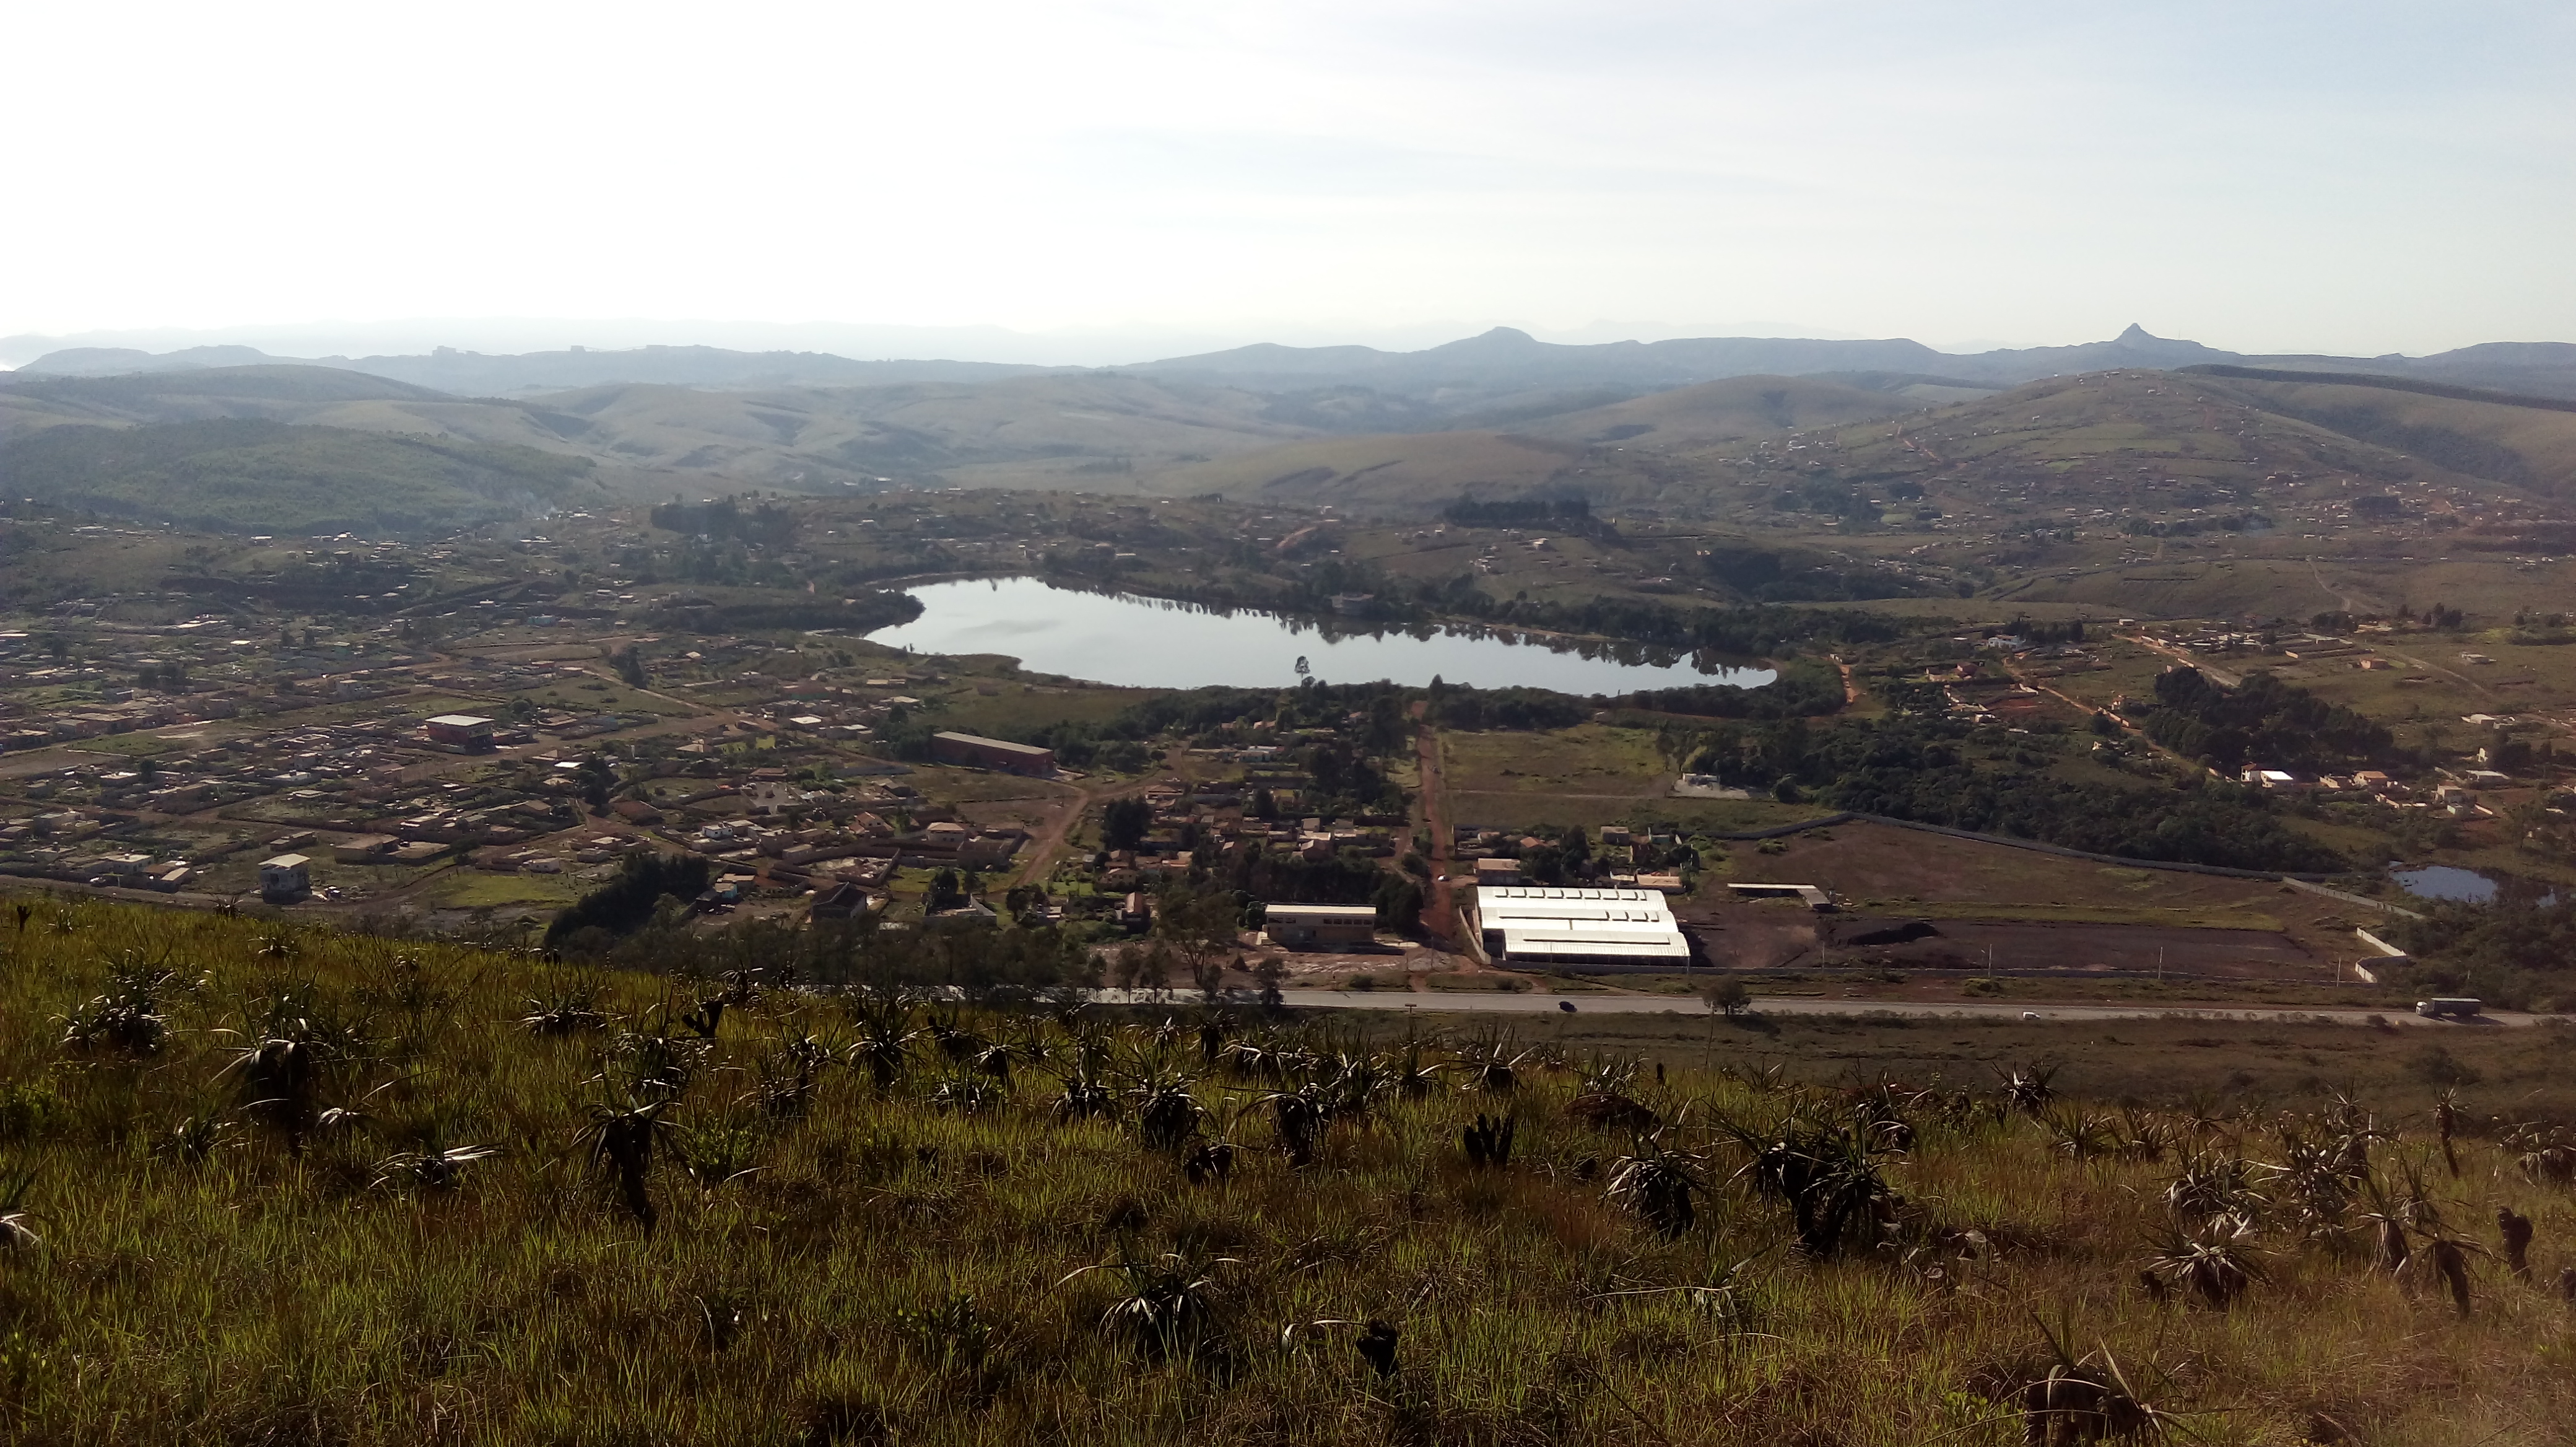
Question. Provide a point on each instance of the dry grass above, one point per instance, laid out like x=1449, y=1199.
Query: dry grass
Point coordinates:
x=834, y=1262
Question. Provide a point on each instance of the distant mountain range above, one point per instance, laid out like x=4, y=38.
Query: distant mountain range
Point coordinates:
x=472, y=374
x=1482, y=370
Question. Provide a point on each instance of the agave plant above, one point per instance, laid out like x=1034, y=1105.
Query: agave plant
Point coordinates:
x=570, y=1013
x=1299, y=1119
x=2087, y=1399
x=2216, y=1261
x=1658, y=1184
x=15, y=1233
x=1492, y=1066
x=621, y=1135
x=2081, y=1135
x=654, y=1063
x=885, y=1038
x=1826, y=1173
x=195, y=1137
x=788, y=1077
x=2213, y=1184
x=1207, y=1161
x=967, y=1093
x=2311, y=1183
x=1166, y=1307
x=432, y=1168
x=292, y=1048
x=125, y=1021
x=951, y=1336
x=1087, y=1093
x=1166, y=1112
x=2028, y=1088
x=1412, y=1073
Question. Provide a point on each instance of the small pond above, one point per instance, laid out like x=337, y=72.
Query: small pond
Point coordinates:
x=1155, y=643
x=2447, y=881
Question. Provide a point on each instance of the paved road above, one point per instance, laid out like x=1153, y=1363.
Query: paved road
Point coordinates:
x=1534, y=1003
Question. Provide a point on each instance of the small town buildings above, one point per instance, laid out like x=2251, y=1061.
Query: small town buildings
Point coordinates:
x=1320, y=926
x=285, y=878
x=1495, y=872
x=1530, y=926
x=1813, y=896
x=461, y=731
x=977, y=752
x=843, y=901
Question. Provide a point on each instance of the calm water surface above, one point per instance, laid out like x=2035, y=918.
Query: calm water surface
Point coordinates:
x=2445, y=881
x=1154, y=643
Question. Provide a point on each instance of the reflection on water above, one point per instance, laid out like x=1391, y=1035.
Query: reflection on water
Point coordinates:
x=2445, y=881
x=1156, y=643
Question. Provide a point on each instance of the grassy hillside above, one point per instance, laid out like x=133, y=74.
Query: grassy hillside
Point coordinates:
x=277, y=393
x=1416, y=471
x=246, y=475
x=2527, y=447
x=264, y=1185
x=1726, y=411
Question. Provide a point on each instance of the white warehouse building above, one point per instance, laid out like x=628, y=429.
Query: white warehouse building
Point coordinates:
x=1536, y=926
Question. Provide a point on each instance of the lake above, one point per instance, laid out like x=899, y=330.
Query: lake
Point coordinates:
x=1155, y=643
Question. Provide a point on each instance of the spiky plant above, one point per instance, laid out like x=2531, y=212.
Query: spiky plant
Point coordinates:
x=1207, y=1161
x=432, y=1168
x=2146, y=1136
x=967, y=1093
x=2028, y=1088
x=2087, y=1399
x=883, y=1046
x=1658, y=1184
x=1826, y=1171
x=570, y=1013
x=1167, y=1114
x=2216, y=1262
x=16, y=1234
x=1489, y=1142
x=194, y=1138
x=951, y=1336
x=2213, y=1184
x=1086, y=1090
x=126, y=1020
x=2514, y=1230
x=1492, y=1066
x=787, y=1077
x=1298, y=1118
x=2080, y=1135
x=1166, y=1306
x=654, y=1063
x=621, y=1135
x=1412, y=1072
x=293, y=1047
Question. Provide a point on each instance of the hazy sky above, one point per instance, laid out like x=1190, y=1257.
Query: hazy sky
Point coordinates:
x=2351, y=177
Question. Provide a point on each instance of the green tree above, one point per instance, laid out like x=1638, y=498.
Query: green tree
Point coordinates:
x=1123, y=822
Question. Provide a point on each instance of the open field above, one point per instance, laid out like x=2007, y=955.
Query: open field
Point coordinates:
x=802, y=1222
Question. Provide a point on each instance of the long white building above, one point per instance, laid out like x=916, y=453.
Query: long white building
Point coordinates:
x=1539, y=926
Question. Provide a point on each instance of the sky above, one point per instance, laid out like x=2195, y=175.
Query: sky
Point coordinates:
x=1148, y=177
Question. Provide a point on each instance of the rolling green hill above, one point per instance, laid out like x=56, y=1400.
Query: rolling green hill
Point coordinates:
x=2527, y=443
x=254, y=475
